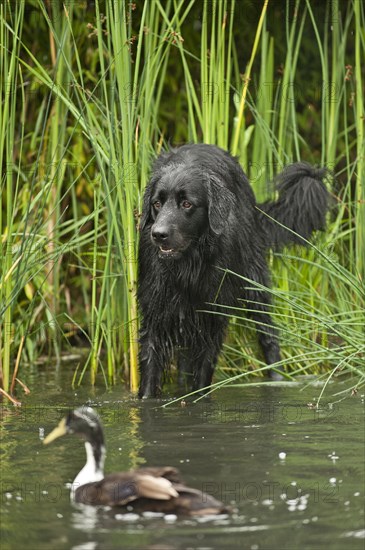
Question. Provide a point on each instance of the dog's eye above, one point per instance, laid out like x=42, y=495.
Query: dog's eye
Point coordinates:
x=157, y=205
x=186, y=204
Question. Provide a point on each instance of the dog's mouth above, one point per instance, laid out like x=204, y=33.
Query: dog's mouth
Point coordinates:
x=165, y=249
x=166, y=252
x=171, y=250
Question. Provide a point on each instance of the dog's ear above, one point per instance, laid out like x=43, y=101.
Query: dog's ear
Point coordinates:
x=220, y=203
x=146, y=206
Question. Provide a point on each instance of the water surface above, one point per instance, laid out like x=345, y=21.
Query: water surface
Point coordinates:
x=294, y=474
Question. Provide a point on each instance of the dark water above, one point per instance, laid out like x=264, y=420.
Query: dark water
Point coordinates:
x=229, y=445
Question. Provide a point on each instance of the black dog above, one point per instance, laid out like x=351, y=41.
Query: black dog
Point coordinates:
x=199, y=215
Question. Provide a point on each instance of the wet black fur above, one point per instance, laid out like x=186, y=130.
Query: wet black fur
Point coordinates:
x=182, y=248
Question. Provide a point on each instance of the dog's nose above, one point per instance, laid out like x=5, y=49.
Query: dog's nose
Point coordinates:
x=160, y=234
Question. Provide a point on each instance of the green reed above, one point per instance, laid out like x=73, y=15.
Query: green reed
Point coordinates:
x=78, y=134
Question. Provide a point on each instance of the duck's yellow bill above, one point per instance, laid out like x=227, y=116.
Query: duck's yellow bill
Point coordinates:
x=57, y=432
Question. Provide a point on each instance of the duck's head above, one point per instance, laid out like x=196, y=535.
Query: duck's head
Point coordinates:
x=83, y=422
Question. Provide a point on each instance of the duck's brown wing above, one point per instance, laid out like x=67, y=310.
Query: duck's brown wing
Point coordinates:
x=168, y=472
x=124, y=487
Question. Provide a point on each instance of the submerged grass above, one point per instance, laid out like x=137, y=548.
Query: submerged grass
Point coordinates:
x=77, y=137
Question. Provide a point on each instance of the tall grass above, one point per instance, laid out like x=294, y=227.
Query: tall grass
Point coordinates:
x=9, y=79
x=118, y=118
x=71, y=193
x=360, y=117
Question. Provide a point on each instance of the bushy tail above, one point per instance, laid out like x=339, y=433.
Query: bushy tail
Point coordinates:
x=301, y=205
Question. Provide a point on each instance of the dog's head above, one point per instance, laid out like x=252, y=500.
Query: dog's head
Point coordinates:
x=182, y=203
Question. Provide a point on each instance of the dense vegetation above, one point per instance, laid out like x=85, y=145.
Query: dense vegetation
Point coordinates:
x=91, y=92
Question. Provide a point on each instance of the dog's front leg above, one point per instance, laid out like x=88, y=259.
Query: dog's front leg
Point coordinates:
x=200, y=360
x=196, y=368
x=203, y=373
x=154, y=358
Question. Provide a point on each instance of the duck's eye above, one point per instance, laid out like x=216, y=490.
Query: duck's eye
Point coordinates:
x=186, y=204
x=157, y=205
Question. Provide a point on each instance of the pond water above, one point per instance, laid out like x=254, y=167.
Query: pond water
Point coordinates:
x=294, y=474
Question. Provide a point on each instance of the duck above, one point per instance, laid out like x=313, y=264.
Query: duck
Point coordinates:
x=157, y=489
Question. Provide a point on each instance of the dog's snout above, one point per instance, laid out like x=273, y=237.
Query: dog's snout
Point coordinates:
x=160, y=234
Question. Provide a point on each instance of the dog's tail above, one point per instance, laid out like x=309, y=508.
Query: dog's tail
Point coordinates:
x=300, y=208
